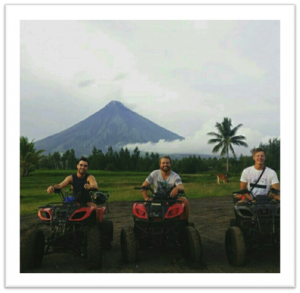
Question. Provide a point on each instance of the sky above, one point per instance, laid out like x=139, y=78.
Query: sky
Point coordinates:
x=184, y=67
x=183, y=75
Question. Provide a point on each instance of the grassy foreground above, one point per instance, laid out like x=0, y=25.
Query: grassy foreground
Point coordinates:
x=119, y=184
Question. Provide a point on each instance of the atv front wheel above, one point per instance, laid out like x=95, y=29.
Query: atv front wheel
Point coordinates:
x=235, y=246
x=32, y=249
x=94, y=249
x=107, y=231
x=192, y=245
x=232, y=222
x=128, y=245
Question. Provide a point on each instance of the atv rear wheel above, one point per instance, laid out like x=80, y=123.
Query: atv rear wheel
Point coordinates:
x=32, y=249
x=192, y=245
x=235, y=246
x=94, y=249
x=128, y=245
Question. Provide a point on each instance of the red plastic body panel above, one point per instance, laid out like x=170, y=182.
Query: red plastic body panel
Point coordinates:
x=175, y=211
x=139, y=210
x=101, y=211
x=47, y=211
x=86, y=210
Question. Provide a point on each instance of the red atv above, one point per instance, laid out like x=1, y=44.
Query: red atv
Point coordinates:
x=69, y=227
x=160, y=223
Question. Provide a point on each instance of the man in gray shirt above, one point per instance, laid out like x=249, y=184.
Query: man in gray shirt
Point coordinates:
x=165, y=180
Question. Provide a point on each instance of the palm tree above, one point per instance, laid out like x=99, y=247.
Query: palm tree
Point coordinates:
x=28, y=156
x=225, y=138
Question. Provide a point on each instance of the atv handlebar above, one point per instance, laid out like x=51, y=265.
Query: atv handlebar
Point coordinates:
x=58, y=190
x=64, y=196
x=162, y=197
x=242, y=191
x=273, y=196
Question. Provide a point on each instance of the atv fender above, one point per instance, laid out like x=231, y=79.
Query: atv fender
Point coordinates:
x=101, y=211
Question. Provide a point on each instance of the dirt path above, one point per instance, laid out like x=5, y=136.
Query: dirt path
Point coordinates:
x=211, y=218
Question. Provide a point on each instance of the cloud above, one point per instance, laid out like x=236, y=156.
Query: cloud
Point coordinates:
x=197, y=144
x=85, y=83
x=120, y=76
x=178, y=74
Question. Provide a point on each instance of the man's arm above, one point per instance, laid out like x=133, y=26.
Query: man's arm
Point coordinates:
x=244, y=179
x=92, y=183
x=67, y=181
x=145, y=193
x=275, y=181
x=178, y=189
x=243, y=185
x=275, y=186
x=274, y=195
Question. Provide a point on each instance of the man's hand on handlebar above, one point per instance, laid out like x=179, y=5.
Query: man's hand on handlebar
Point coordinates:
x=90, y=187
x=50, y=189
x=87, y=186
x=147, y=199
x=174, y=192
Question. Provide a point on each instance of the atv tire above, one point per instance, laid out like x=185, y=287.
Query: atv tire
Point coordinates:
x=94, y=249
x=235, y=246
x=232, y=222
x=129, y=245
x=107, y=230
x=192, y=245
x=32, y=249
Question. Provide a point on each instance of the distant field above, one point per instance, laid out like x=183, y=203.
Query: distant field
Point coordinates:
x=119, y=184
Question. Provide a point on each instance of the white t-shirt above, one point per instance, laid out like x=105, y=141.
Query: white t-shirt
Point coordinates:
x=250, y=176
x=161, y=185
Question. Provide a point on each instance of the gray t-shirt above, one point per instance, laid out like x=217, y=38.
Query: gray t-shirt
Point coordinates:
x=161, y=185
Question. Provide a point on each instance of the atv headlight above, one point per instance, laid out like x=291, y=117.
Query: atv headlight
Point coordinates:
x=139, y=211
x=175, y=211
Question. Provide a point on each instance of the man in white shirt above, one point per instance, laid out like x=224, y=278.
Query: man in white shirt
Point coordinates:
x=251, y=174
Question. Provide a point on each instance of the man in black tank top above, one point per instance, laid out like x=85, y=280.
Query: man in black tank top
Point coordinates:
x=81, y=182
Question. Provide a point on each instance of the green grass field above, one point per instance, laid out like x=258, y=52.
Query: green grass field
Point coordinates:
x=119, y=184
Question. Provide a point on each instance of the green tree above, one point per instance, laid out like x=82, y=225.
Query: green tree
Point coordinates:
x=135, y=159
x=154, y=161
x=29, y=157
x=110, y=158
x=56, y=159
x=97, y=160
x=226, y=138
x=124, y=160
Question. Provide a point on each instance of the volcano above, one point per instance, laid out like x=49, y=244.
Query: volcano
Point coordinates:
x=114, y=125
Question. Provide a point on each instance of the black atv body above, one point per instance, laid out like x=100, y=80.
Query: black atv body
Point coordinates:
x=256, y=226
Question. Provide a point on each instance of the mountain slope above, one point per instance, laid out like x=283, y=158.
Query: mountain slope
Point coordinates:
x=114, y=125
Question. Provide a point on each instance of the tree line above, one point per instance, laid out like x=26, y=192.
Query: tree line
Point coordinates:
x=224, y=139
x=135, y=161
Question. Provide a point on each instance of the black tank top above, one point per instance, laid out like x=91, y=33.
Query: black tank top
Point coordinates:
x=81, y=195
